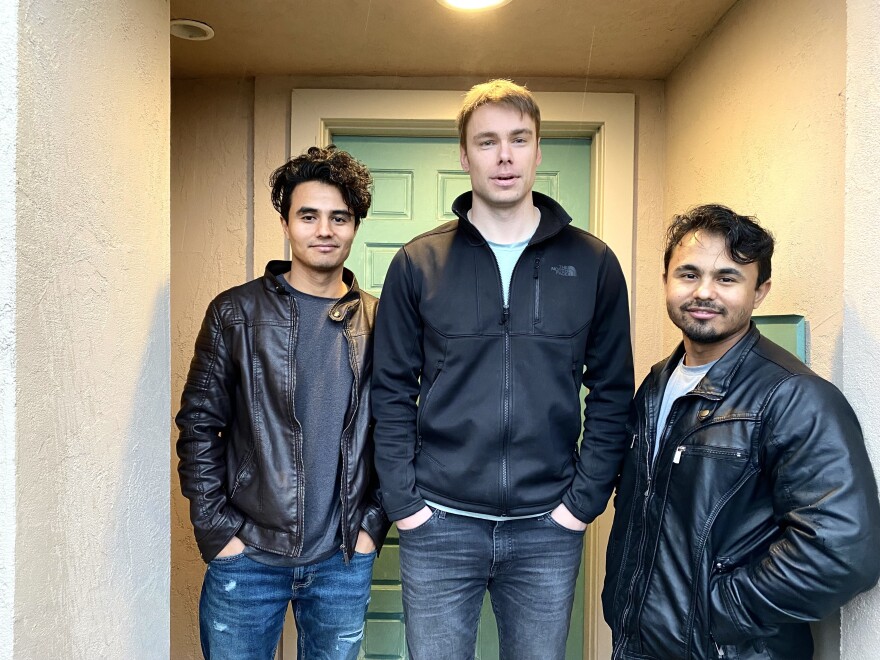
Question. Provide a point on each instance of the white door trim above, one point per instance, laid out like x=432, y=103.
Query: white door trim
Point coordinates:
x=609, y=119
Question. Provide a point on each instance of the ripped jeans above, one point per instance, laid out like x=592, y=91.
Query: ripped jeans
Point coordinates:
x=243, y=603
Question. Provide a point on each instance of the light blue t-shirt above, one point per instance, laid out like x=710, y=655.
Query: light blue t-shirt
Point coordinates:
x=507, y=255
x=682, y=381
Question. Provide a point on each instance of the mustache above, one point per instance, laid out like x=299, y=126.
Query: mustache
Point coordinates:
x=704, y=306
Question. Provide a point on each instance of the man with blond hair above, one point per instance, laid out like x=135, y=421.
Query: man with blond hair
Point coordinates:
x=489, y=325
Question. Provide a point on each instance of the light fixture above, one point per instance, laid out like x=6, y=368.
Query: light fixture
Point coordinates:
x=191, y=30
x=473, y=5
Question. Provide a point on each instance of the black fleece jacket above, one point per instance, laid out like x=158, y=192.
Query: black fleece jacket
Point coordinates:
x=477, y=406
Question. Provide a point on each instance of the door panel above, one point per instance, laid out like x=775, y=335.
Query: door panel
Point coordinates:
x=415, y=180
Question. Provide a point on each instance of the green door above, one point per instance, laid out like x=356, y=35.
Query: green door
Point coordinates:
x=415, y=181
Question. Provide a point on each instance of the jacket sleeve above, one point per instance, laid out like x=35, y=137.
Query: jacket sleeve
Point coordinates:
x=397, y=366
x=375, y=522
x=826, y=507
x=205, y=412
x=609, y=379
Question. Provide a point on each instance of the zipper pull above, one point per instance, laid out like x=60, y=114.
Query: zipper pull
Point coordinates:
x=505, y=315
x=678, y=452
x=718, y=649
x=633, y=443
x=537, y=266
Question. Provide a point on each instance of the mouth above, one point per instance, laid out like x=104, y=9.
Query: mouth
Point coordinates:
x=324, y=247
x=702, y=313
x=505, y=180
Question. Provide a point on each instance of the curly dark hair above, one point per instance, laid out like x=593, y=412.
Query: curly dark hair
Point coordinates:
x=331, y=166
x=747, y=242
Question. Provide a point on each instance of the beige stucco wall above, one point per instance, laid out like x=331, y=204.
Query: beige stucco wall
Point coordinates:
x=755, y=120
x=91, y=330
x=211, y=234
x=860, y=635
x=8, y=139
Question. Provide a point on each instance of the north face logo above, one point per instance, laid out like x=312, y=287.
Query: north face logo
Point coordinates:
x=565, y=271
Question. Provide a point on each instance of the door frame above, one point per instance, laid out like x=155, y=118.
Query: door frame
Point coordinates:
x=608, y=119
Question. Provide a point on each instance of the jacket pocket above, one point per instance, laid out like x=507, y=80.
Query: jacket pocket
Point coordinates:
x=423, y=405
x=243, y=474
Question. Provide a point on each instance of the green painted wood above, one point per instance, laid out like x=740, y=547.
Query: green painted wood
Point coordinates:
x=787, y=330
x=415, y=181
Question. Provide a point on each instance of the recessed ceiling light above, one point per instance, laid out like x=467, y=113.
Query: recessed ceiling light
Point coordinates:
x=473, y=5
x=191, y=30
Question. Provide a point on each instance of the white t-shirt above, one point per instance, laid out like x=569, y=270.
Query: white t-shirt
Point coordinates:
x=682, y=381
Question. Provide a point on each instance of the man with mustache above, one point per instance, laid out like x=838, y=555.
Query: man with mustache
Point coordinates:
x=483, y=333
x=747, y=506
x=275, y=445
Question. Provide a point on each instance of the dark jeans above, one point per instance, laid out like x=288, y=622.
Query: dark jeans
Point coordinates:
x=241, y=611
x=529, y=567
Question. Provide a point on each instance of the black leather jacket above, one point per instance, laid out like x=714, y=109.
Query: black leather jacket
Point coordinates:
x=759, y=515
x=499, y=407
x=240, y=446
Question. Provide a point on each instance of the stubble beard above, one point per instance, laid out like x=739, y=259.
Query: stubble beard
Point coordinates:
x=702, y=332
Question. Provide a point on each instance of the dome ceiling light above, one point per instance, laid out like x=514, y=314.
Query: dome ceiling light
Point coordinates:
x=473, y=5
x=191, y=30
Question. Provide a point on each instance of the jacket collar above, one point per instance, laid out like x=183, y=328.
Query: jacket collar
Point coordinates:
x=351, y=298
x=553, y=218
x=714, y=384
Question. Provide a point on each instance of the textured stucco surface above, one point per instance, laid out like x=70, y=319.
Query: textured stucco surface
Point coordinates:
x=755, y=121
x=211, y=230
x=860, y=634
x=91, y=550
x=8, y=136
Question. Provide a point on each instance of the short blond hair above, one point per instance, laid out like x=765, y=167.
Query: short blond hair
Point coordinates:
x=501, y=92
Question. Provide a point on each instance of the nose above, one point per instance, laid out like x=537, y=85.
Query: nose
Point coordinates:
x=324, y=227
x=504, y=152
x=705, y=290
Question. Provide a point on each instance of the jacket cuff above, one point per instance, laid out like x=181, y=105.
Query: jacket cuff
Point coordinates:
x=212, y=541
x=569, y=503
x=376, y=524
x=404, y=511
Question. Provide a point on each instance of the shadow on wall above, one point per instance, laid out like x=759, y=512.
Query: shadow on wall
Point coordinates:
x=139, y=538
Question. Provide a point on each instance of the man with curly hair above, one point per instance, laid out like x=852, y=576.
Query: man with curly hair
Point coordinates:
x=275, y=447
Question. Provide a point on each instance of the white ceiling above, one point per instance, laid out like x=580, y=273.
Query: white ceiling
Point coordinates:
x=641, y=39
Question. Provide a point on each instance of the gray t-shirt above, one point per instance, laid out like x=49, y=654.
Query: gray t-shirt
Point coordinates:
x=682, y=381
x=323, y=392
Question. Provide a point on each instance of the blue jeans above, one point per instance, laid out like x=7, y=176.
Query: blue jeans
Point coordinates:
x=243, y=603
x=528, y=566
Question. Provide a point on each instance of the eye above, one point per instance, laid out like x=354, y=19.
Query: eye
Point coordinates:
x=340, y=219
x=486, y=143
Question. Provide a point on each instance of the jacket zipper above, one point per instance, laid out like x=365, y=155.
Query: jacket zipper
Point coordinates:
x=297, y=434
x=701, y=546
x=537, y=289
x=630, y=598
x=649, y=481
x=423, y=405
x=505, y=404
x=343, y=479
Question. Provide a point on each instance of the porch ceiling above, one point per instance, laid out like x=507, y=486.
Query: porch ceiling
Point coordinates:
x=641, y=39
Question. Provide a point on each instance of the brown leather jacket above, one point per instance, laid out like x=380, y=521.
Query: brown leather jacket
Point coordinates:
x=240, y=445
